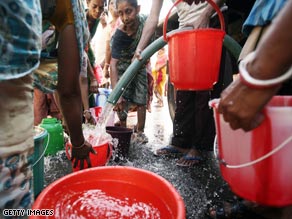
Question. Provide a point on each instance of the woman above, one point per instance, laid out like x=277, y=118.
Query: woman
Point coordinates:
x=124, y=43
x=93, y=14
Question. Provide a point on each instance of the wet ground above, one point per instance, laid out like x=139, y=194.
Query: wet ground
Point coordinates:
x=199, y=186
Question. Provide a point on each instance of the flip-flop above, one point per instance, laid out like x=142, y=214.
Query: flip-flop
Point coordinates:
x=185, y=161
x=168, y=151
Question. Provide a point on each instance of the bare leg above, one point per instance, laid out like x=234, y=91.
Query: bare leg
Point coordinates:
x=141, y=114
x=68, y=84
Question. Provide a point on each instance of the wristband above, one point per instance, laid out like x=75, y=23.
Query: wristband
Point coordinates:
x=81, y=146
x=249, y=81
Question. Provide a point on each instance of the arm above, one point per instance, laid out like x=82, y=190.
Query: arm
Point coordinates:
x=107, y=57
x=149, y=28
x=114, y=81
x=204, y=19
x=242, y=105
x=69, y=94
x=93, y=82
x=114, y=72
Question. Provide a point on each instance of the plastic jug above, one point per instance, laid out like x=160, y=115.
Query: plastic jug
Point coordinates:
x=102, y=97
x=55, y=130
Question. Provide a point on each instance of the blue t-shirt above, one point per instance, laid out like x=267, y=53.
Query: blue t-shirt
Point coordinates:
x=262, y=13
x=20, y=37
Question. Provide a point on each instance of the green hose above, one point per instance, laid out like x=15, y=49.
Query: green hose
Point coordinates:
x=231, y=45
x=131, y=71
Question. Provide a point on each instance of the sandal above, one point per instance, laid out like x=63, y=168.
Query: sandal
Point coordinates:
x=228, y=210
x=169, y=150
x=189, y=161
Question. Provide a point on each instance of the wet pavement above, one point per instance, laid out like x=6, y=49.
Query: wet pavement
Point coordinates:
x=199, y=186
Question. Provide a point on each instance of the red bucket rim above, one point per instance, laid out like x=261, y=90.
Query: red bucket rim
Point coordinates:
x=81, y=175
x=211, y=31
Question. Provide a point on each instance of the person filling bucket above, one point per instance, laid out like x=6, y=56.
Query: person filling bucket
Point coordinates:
x=102, y=144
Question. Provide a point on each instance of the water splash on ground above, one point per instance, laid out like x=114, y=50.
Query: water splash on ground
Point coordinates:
x=198, y=186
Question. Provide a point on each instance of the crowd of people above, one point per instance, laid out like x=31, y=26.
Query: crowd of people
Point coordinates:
x=127, y=33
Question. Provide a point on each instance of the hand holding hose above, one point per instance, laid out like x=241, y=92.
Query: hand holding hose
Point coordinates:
x=137, y=54
x=81, y=153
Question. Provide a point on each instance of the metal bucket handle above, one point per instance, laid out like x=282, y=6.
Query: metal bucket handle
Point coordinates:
x=213, y=4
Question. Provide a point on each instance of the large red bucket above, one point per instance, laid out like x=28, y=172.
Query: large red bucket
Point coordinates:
x=257, y=164
x=111, y=192
x=195, y=55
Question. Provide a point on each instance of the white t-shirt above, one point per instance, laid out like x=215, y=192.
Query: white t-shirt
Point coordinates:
x=189, y=13
x=98, y=43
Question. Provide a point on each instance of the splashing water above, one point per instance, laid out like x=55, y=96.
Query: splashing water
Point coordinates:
x=97, y=135
x=105, y=115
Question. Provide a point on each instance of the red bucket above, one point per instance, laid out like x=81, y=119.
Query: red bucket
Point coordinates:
x=112, y=192
x=104, y=153
x=195, y=55
x=257, y=164
x=96, y=111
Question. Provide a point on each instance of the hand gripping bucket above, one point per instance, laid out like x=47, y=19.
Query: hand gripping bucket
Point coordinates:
x=104, y=153
x=257, y=164
x=195, y=55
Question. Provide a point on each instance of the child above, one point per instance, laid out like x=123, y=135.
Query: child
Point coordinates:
x=113, y=24
x=93, y=13
x=124, y=43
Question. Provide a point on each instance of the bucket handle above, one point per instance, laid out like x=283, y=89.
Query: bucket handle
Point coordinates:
x=43, y=154
x=213, y=4
x=269, y=154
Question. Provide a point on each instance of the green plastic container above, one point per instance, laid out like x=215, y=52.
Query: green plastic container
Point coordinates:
x=55, y=130
x=38, y=159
